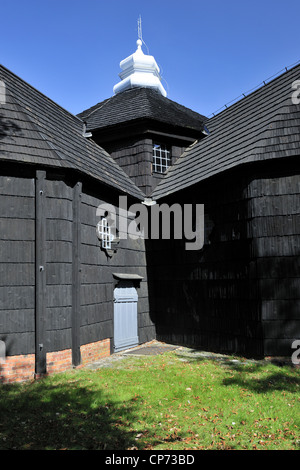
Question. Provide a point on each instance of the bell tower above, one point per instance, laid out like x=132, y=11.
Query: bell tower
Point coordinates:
x=142, y=129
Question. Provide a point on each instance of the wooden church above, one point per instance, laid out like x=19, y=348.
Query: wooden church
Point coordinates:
x=70, y=295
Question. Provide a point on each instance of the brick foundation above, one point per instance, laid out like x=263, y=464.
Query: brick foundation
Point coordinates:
x=17, y=368
x=94, y=351
x=59, y=361
x=22, y=368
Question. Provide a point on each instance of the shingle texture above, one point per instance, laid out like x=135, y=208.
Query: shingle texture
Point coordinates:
x=140, y=103
x=262, y=126
x=36, y=130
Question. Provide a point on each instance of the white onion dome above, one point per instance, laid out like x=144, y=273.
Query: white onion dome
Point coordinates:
x=139, y=70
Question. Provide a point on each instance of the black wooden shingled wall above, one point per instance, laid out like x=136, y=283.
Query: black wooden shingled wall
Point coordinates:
x=59, y=239
x=134, y=155
x=55, y=266
x=17, y=262
x=241, y=292
x=275, y=228
x=98, y=281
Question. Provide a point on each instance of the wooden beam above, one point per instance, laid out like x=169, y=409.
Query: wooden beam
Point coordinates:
x=40, y=273
x=76, y=274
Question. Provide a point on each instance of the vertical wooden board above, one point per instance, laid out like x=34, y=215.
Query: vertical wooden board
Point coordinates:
x=76, y=275
x=40, y=273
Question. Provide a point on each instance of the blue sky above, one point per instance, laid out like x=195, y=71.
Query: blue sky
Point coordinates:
x=209, y=52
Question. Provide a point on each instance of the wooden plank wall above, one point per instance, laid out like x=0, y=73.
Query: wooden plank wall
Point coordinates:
x=17, y=263
x=98, y=282
x=275, y=228
x=134, y=155
x=59, y=238
x=207, y=299
x=241, y=293
x=77, y=306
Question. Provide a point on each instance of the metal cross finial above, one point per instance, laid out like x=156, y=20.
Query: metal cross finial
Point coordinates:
x=140, y=35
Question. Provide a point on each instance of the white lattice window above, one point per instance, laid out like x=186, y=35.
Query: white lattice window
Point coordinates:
x=104, y=234
x=161, y=158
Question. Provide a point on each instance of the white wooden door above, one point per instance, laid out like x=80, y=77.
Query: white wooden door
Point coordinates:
x=125, y=316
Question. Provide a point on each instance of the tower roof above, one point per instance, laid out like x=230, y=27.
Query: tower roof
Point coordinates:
x=139, y=104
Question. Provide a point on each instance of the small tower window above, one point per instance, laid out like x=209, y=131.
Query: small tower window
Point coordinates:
x=161, y=158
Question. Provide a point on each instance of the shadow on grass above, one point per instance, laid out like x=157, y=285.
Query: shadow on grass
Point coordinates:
x=256, y=376
x=257, y=379
x=68, y=415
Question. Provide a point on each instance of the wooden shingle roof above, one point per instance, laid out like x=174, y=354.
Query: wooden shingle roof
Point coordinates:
x=262, y=126
x=34, y=129
x=141, y=103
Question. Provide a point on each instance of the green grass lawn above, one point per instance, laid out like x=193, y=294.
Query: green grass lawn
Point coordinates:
x=166, y=402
